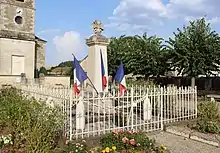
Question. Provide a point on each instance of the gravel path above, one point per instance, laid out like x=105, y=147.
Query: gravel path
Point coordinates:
x=177, y=144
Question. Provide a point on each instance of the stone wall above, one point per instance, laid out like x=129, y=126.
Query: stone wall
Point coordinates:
x=9, y=9
x=9, y=80
x=56, y=81
x=39, y=54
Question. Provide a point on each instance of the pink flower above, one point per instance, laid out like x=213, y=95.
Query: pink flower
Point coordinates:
x=138, y=144
x=121, y=131
x=132, y=142
x=124, y=140
x=115, y=132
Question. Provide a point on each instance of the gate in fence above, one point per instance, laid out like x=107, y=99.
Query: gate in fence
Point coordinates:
x=140, y=108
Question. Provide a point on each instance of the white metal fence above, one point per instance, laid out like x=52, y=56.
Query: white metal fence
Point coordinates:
x=140, y=108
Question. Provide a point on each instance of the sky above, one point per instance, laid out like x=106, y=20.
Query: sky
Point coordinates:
x=66, y=25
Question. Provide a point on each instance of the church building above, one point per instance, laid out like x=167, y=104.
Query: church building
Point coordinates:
x=21, y=51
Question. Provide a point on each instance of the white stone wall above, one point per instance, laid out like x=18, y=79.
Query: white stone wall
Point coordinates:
x=11, y=80
x=9, y=47
x=55, y=81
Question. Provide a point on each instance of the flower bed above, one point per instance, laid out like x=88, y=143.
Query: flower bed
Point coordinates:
x=118, y=142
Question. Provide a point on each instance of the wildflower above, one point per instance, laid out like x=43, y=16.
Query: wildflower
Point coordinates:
x=114, y=148
x=163, y=147
x=138, y=144
x=124, y=140
x=132, y=142
x=107, y=149
x=103, y=151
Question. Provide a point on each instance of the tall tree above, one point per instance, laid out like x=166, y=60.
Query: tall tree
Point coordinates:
x=115, y=53
x=147, y=56
x=195, y=50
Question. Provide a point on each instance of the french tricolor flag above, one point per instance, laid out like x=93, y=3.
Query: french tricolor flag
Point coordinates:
x=104, y=79
x=79, y=76
x=120, y=78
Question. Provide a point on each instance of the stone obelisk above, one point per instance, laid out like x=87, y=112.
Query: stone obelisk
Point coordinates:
x=97, y=43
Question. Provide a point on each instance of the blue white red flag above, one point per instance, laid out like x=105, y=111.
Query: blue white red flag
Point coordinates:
x=79, y=76
x=120, y=78
x=104, y=79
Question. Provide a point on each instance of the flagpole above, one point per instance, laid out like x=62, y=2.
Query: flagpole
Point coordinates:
x=90, y=81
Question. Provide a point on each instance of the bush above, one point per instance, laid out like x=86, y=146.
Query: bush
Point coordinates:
x=208, y=116
x=208, y=110
x=34, y=125
x=43, y=70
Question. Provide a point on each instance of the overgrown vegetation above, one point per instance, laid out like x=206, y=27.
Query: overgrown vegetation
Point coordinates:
x=34, y=126
x=208, y=115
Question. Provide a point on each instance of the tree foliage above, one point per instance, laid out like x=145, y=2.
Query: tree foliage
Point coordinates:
x=66, y=64
x=141, y=54
x=43, y=70
x=195, y=49
x=149, y=57
x=115, y=53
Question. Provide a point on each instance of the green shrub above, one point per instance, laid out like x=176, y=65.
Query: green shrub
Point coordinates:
x=208, y=116
x=43, y=70
x=34, y=125
x=208, y=126
x=208, y=110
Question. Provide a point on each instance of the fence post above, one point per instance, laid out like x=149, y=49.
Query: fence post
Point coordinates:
x=161, y=107
x=71, y=114
x=80, y=113
x=196, y=111
x=132, y=108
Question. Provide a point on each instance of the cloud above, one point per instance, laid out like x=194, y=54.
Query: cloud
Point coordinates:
x=48, y=31
x=67, y=44
x=133, y=15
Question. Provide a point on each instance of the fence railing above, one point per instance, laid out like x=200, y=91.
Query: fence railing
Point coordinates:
x=140, y=108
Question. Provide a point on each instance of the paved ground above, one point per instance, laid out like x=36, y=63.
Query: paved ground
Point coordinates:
x=177, y=144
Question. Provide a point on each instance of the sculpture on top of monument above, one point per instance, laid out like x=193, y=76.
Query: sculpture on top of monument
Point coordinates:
x=97, y=27
x=97, y=36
